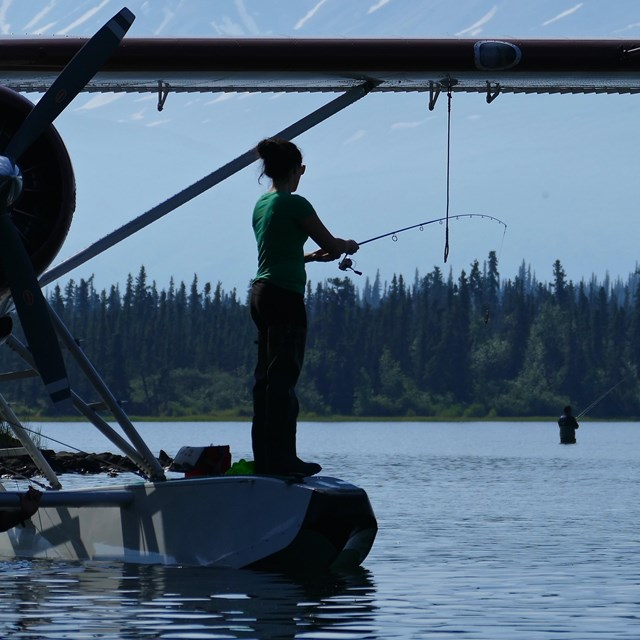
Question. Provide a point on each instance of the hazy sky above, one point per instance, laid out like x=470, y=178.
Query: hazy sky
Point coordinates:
x=560, y=171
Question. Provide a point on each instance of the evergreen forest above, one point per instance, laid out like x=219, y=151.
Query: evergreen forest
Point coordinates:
x=469, y=346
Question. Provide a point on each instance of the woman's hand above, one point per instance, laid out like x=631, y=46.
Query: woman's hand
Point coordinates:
x=351, y=247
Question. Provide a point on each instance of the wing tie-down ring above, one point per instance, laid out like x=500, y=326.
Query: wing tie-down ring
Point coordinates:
x=163, y=93
x=436, y=87
x=492, y=95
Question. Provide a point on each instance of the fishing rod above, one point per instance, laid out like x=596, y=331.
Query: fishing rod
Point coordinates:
x=347, y=262
x=598, y=400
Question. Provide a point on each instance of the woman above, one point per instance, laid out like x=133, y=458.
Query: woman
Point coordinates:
x=282, y=223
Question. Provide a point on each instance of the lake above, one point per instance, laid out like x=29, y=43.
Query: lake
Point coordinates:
x=487, y=530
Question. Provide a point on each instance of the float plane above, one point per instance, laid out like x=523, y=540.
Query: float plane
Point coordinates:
x=233, y=521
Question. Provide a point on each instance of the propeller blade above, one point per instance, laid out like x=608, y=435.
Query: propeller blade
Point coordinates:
x=81, y=68
x=33, y=311
x=31, y=306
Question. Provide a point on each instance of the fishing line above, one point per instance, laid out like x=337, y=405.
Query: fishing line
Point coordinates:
x=348, y=263
x=598, y=400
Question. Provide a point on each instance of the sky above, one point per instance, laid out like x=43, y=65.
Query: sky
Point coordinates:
x=560, y=171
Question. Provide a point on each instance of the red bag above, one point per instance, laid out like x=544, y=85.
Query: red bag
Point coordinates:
x=213, y=460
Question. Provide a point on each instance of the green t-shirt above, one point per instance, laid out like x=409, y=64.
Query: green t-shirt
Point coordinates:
x=277, y=226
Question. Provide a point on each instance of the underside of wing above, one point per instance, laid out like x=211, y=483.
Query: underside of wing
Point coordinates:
x=285, y=64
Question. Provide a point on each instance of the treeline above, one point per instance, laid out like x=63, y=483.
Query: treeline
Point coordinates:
x=470, y=346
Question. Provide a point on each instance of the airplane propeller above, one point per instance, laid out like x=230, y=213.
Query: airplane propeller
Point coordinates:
x=30, y=304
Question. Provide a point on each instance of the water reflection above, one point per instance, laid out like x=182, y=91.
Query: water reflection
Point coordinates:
x=490, y=532
x=114, y=600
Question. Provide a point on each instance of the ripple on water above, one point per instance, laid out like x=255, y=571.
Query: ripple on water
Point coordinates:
x=486, y=532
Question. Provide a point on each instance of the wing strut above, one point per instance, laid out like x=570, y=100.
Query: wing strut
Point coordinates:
x=150, y=464
x=248, y=157
x=142, y=457
x=25, y=439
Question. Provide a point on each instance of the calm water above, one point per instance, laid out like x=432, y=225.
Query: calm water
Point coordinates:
x=487, y=530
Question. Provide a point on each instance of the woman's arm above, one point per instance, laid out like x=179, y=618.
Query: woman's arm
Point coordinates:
x=331, y=248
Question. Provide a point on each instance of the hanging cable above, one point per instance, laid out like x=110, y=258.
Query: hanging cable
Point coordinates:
x=446, y=233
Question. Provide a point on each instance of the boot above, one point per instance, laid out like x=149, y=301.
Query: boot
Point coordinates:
x=296, y=468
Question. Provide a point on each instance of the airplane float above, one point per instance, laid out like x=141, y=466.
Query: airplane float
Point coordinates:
x=233, y=521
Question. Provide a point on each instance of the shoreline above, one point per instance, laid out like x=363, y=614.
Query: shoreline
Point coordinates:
x=21, y=466
x=321, y=419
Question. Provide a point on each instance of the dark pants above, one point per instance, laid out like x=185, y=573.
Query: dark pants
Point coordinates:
x=281, y=319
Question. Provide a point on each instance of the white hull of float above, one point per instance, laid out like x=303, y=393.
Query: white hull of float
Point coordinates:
x=228, y=521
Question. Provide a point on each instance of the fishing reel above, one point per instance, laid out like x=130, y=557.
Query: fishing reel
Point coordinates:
x=347, y=264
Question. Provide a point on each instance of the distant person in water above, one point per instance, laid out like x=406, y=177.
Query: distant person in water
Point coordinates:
x=568, y=425
x=282, y=223
x=29, y=504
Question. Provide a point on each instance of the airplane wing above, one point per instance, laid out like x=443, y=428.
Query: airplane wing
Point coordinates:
x=334, y=65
